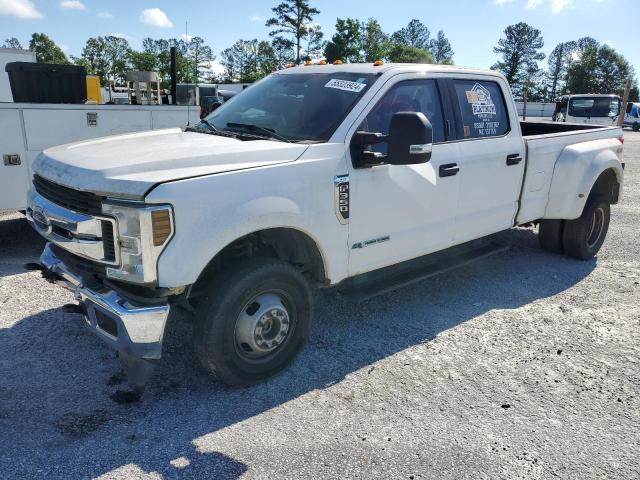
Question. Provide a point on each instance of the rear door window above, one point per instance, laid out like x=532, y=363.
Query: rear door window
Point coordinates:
x=483, y=112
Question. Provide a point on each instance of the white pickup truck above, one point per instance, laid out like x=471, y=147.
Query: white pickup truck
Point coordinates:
x=362, y=177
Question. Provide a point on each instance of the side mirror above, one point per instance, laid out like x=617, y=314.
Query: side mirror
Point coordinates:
x=410, y=139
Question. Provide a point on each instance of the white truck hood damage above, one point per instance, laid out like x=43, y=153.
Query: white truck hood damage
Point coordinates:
x=128, y=166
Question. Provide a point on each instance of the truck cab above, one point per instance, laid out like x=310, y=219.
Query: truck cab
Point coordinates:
x=317, y=176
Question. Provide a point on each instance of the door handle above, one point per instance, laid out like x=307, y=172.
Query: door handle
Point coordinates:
x=12, y=159
x=448, y=170
x=514, y=159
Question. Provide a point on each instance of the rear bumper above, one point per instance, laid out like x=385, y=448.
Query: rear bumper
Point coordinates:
x=136, y=330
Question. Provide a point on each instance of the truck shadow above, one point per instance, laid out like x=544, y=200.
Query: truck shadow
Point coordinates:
x=17, y=241
x=63, y=411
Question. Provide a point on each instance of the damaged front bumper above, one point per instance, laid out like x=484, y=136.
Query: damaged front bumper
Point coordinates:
x=131, y=328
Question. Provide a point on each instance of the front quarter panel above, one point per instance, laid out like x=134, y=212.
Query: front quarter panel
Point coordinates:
x=213, y=211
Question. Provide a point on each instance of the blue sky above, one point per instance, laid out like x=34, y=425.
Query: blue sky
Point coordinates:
x=473, y=26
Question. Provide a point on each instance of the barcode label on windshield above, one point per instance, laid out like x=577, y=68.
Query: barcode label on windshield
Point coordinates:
x=345, y=85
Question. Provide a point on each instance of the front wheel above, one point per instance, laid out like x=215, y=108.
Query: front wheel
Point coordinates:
x=252, y=323
x=583, y=237
x=636, y=126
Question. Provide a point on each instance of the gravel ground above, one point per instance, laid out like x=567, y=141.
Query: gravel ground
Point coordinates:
x=524, y=365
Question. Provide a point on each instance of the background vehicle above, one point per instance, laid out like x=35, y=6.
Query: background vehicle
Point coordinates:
x=28, y=129
x=593, y=109
x=632, y=116
x=361, y=177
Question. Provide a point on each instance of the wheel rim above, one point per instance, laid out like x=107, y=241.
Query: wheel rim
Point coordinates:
x=263, y=326
x=596, y=227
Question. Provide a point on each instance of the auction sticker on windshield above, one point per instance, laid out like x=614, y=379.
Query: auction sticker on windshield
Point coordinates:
x=345, y=85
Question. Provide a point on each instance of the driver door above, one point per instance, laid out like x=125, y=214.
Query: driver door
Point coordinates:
x=400, y=212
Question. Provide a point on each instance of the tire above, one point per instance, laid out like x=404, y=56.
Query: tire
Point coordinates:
x=550, y=235
x=583, y=237
x=636, y=126
x=241, y=316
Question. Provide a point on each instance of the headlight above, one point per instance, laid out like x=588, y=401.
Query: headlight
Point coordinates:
x=142, y=233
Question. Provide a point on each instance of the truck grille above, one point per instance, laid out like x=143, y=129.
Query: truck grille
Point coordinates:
x=81, y=202
x=86, y=268
x=108, y=241
x=75, y=200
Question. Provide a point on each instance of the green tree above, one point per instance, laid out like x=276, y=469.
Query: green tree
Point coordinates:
x=346, y=42
x=584, y=43
x=290, y=19
x=46, y=50
x=241, y=61
x=161, y=49
x=558, y=62
x=267, y=59
x=144, y=61
x=415, y=34
x=315, y=41
x=94, y=58
x=200, y=57
x=12, y=42
x=599, y=69
x=375, y=43
x=405, y=54
x=520, y=52
x=283, y=50
x=117, y=54
x=440, y=48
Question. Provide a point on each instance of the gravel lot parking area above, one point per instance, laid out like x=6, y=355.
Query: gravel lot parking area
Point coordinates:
x=522, y=365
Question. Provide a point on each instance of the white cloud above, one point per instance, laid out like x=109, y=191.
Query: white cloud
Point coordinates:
x=502, y=2
x=72, y=5
x=19, y=8
x=558, y=5
x=215, y=67
x=105, y=15
x=257, y=18
x=185, y=37
x=155, y=17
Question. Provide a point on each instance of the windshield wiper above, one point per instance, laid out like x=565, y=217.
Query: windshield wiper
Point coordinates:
x=257, y=128
x=197, y=128
x=209, y=124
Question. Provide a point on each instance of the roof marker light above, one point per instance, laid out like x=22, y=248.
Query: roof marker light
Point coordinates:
x=322, y=62
x=378, y=63
x=338, y=62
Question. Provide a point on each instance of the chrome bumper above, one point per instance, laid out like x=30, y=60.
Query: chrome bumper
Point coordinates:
x=135, y=330
x=77, y=233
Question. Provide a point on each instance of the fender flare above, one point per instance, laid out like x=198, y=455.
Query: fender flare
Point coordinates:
x=576, y=171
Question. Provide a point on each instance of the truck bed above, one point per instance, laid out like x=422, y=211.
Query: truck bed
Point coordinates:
x=530, y=128
x=545, y=142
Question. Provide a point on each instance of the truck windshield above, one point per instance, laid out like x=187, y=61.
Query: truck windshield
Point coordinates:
x=594, y=107
x=296, y=106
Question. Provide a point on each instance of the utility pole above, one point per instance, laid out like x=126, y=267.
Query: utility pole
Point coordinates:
x=625, y=99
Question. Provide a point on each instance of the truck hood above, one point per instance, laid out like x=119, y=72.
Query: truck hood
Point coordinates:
x=128, y=166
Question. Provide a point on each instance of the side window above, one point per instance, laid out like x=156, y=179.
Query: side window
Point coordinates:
x=409, y=96
x=482, y=108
